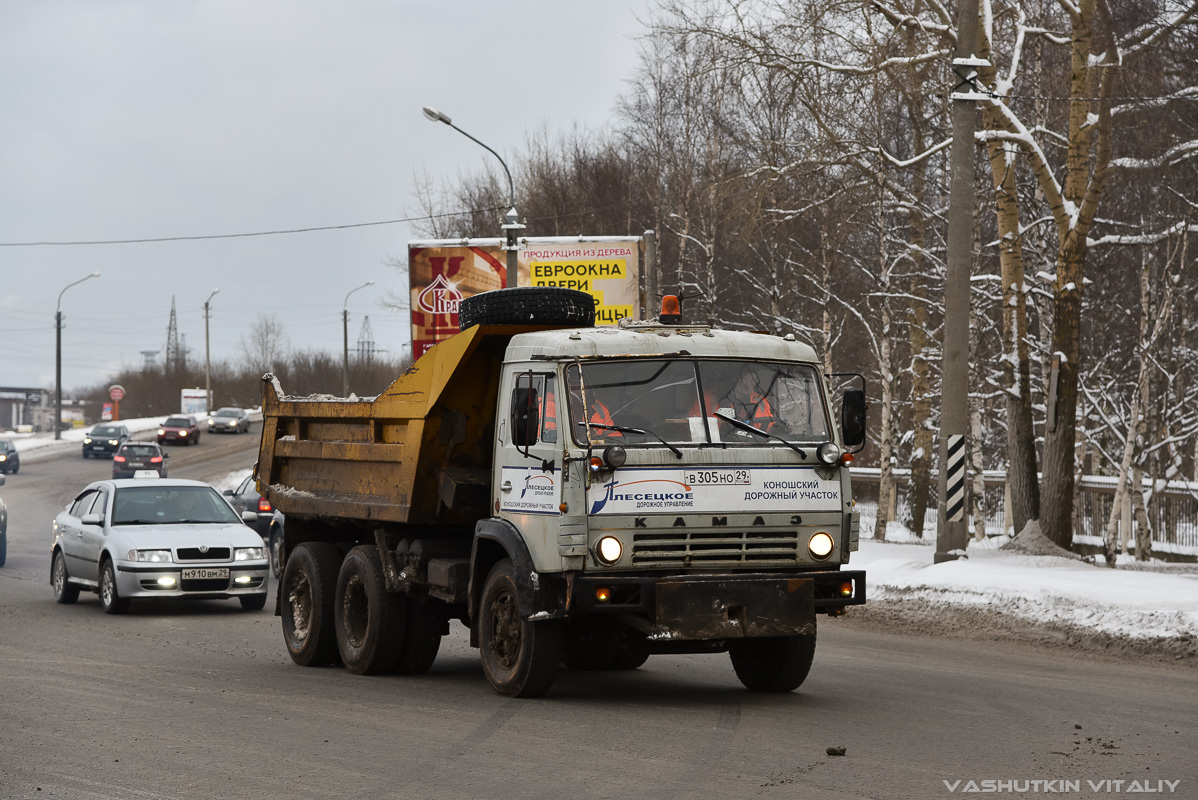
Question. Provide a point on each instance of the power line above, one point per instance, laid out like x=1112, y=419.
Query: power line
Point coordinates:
x=244, y=235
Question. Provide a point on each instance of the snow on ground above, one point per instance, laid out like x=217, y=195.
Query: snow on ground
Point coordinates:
x=1136, y=604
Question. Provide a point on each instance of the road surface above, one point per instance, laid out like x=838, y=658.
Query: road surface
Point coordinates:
x=200, y=700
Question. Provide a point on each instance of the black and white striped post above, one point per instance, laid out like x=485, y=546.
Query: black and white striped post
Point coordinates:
x=954, y=507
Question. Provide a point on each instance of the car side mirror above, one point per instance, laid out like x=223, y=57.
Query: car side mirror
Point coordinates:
x=227, y=492
x=166, y=455
x=525, y=417
x=852, y=418
x=92, y=519
x=249, y=517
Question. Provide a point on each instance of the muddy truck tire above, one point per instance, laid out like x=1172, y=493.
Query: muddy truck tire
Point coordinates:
x=523, y=305
x=776, y=664
x=370, y=623
x=309, y=583
x=520, y=658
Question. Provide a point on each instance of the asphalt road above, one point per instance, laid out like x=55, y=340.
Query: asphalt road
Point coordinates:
x=200, y=700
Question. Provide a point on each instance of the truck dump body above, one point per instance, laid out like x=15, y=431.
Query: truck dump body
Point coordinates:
x=419, y=453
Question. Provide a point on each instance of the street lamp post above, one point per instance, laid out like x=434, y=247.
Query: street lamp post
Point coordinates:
x=58, y=355
x=345, y=340
x=208, y=355
x=511, y=225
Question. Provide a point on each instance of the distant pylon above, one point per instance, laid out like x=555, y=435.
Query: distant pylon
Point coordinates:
x=366, y=348
x=172, y=341
x=148, y=356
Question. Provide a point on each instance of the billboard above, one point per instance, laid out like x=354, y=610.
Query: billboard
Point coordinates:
x=444, y=272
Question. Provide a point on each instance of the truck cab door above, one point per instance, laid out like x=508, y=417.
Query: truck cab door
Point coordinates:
x=527, y=464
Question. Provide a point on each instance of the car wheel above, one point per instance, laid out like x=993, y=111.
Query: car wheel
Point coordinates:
x=110, y=598
x=519, y=658
x=16, y=469
x=64, y=591
x=309, y=583
x=84, y=454
x=253, y=602
x=774, y=664
x=370, y=622
x=275, y=549
x=3, y=545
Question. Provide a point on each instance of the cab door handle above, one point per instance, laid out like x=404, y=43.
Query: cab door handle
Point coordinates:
x=506, y=487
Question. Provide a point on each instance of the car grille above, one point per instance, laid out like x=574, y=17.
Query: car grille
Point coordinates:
x=194, y=554
x=205, y=585
x=715, y=548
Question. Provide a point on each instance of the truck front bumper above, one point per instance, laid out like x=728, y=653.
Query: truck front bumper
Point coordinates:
x=720, y=606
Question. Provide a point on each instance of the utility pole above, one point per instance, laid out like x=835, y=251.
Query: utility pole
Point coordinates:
x=954, y=398
x=208, y=355
x=58, y=355
x=345, y=340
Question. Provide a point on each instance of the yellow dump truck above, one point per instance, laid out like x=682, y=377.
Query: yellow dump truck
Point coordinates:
x=574, y=495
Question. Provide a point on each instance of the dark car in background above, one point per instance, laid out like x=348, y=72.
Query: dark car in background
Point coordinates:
x=104, y=440
x=229, y=420
x=270, y=520
x=10, y=459
x=183, y=430
x=136, y=456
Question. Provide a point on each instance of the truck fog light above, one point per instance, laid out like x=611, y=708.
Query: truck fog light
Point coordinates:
x=609, y=549
x=828, y=453
x=615, y=456
x=602, y=595
x=166, y=581
x=821, y=545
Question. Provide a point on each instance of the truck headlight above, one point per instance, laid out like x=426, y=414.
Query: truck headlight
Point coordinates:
x=828, y=453
x=821, y=545
x=608, y=549
x=248, y=554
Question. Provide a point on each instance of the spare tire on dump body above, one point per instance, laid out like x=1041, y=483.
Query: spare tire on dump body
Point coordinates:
x=548, y=305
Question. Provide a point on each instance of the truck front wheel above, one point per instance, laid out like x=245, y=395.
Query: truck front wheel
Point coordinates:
x=309, y=583
x=777, y=664
x=520, y=658
x=368, y=620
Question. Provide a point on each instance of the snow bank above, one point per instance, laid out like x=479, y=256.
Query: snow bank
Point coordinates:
x=1039, y=588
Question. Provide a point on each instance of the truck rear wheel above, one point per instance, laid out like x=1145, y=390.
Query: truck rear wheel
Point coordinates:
x=309, y=582
x=523, y=305
x=369, y=622
x=520, y=658
x=422, y=640
x=775, y=664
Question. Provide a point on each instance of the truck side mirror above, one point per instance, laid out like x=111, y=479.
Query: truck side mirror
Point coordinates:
x=526, y=417
x=852, y=418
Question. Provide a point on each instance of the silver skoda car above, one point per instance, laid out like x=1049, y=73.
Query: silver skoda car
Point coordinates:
x=148, y=537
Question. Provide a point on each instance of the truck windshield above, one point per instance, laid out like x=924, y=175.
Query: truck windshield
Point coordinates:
x=676, y=399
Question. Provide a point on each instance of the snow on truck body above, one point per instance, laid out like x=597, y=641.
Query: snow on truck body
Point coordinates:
x=592, y=495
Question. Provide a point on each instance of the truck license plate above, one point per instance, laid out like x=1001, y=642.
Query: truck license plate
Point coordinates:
x=719, y=477
x=200, y=573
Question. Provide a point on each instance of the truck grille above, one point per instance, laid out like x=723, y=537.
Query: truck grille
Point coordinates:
x=194, y=554
x=715, y=548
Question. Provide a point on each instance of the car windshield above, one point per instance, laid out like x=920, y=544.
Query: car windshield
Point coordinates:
x=7, y=447
x=226, y=412
x=680, y=401
x=105, y=430
x=178, y=422
x=139, y=450
x=157, y=505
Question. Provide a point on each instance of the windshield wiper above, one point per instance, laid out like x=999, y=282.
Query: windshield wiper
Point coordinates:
x=754, y=429
x=638, y=431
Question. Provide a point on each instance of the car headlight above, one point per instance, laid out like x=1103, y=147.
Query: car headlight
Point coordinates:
x=113, y=442
x=182, y=433
x=210, y=420
x=821, y=545
x=248, y=554
x=3, y=458
x=161, y=432
x=609, y=549
x=232, y=422
x=87, y=441
x=153, y=556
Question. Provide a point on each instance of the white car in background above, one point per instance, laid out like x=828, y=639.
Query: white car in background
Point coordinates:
x=153, y=538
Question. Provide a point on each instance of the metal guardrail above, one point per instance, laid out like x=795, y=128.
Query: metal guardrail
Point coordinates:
x=1172, y=511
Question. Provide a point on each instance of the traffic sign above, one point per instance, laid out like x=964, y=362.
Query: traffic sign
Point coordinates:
x=117, y=393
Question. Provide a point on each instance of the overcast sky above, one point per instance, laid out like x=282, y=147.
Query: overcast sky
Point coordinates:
x=122, y=120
